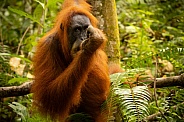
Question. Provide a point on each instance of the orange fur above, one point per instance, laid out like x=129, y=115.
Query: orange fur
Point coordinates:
x=65, y=85
x=114, y=68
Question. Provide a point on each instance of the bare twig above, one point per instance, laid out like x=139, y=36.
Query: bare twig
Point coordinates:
x=20, y=43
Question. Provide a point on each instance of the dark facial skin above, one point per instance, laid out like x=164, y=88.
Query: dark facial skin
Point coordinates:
x=77, y=32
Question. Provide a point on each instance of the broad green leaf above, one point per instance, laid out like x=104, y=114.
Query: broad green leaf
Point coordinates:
x=38, y=12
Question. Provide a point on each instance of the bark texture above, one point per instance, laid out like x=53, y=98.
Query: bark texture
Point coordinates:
x=105, y=12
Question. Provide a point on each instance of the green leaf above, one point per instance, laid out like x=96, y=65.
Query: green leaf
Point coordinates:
x=20, y=110
x=30, y=42
x=19, y=80
x=133, y=102
x=13, y=55
x=52, y=3
x=22, y=13
x=38, y=12
x=42, y=4
x=146, y=12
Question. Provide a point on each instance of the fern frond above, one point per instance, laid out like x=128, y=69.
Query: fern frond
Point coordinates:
x=130, y=103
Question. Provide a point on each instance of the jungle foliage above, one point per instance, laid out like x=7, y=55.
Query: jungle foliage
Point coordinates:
x=152, y=45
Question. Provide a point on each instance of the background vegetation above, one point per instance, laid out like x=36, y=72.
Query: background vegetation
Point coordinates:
x=151, y=32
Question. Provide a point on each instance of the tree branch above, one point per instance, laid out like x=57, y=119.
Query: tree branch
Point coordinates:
x=16, y=90
x=25, y=87
x=169, y=81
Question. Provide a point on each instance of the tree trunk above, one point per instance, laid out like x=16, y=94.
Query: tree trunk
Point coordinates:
x=105, y=12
